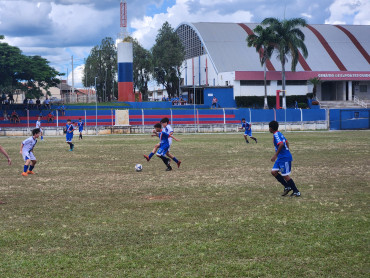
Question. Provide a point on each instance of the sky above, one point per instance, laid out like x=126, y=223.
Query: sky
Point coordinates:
x=59, y=29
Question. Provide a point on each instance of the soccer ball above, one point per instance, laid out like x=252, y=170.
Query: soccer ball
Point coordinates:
x=138, y=167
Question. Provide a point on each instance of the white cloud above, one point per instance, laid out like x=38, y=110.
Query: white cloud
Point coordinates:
x=146, y=28
x=349, y=12
x=78, y=74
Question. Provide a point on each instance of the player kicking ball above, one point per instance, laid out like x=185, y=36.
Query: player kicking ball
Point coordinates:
x=248, y=131
x=163, y=146
x=283, y=161
x=27, y=152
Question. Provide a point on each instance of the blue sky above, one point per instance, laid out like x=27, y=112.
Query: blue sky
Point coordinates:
x=58, y=29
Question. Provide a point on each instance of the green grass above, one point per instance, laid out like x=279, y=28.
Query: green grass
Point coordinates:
x=87, y=213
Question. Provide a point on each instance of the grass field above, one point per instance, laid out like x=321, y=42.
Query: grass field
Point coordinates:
x=87, y=213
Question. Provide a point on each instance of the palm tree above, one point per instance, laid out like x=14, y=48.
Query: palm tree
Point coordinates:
x=264, y=43
x=289, y=40
x=315, y=82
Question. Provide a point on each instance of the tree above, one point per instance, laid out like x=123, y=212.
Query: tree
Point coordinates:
x=264, y=43
x=314, y=81
x=142, y=67
x=289, y=40
x=30, y=74
x=168, y=55
x=102, y=63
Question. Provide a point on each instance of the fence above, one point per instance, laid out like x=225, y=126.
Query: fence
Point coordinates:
x=342, y=119
x=188, y=120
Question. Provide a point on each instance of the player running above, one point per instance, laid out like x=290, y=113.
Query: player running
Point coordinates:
x=283, y=161
x=163, y=146
x=248, y=131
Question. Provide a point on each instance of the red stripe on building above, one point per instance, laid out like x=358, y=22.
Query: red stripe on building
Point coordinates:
x=328, y=49
x=355, y=42
x=249, y=31
x=303, y=62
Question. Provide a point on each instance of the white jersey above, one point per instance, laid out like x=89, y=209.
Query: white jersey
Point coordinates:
x=168, y=129
x=38, y=124
x=28, y=145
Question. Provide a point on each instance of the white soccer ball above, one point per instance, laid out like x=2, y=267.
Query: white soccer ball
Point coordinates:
x=138, y=167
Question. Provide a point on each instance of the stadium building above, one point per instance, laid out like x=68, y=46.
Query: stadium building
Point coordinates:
x=220, y=63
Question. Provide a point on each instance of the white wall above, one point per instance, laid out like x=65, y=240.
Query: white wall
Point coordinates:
x=271, y=89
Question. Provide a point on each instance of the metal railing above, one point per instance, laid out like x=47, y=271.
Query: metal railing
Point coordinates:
x=360, y=102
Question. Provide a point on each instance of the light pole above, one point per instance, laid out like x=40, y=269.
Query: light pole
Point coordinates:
x=96, y=108
x=195, y=121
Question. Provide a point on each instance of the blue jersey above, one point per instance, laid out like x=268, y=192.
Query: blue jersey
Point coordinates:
x=80, y=126
x=284, y=154
x=163, y=136
x=246, y=125
x=70, y=128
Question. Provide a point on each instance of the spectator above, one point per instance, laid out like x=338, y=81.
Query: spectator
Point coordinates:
x=30, y=103
x=14, y=117
x=182, y=101
x=47, y=103
x=296, y=104
x=62, y=110
x=25, y=101
x=38, y=104
x=11, y=99
x=5, y=114
x=50, y=117
x=214, y=102
x=3, y=98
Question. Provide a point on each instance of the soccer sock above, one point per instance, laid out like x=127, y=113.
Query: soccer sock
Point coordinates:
x=281, y=180
x=31, y=167
x=42, y=137
x=175, y=159
x=165, y=160
x=291, y=184
x=151, y=155
x=25, y=168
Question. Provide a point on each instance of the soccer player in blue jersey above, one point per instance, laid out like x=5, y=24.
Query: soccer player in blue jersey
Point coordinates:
x=81, y=125
x=283, y=161
x=248, y=131
x=169, y=130
x=27, y=147
x=163, y=147
x=69, y=134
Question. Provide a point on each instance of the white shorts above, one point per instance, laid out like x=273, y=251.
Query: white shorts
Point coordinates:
x=28, y=155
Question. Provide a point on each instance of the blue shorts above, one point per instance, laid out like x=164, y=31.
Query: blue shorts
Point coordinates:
x=284, y=167
x=162, y=151
x=69, y=137
x=248, y=132
x=80, y=129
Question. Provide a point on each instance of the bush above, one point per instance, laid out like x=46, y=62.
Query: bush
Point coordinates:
x=302, y=105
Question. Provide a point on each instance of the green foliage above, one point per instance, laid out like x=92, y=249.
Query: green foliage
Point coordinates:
x=102, y=64
x=288, y=40
x=143, y=67
x=314, y=81
x=168, y=55
x=257, y=101
x=27, y=73
x=302, y=105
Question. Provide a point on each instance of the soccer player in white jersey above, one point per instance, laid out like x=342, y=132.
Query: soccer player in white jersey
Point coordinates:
x=38, y=125
x=27, y=147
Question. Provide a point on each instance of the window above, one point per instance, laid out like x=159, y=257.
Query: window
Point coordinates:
x=293, y=82
x=363, y=88
x=254, y=82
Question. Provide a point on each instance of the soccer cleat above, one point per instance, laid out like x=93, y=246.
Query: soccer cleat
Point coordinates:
x=295, y=194
x=286, y=191
x=30, y=172
x=146, y=157
x=24, y=174
x=73, y=146
x=178, y=164
x=169, y=168
x=255, y=140
x=246, y=141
